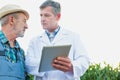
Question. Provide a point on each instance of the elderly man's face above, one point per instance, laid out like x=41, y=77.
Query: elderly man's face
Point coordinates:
x=20, y=25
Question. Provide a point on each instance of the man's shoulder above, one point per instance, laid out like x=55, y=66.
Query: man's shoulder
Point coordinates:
x=70, y=32
x=37, y=37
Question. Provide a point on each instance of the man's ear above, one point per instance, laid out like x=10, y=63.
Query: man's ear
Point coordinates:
x=11, y=20
x=58, y=16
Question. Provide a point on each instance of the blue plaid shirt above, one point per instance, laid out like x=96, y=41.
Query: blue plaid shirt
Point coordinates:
x=13, y=54
x=52, y=35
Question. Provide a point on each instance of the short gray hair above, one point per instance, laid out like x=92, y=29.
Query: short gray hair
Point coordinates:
x=55, y=6
x=4, y=20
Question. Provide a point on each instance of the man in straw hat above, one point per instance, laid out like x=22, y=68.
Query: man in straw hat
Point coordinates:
x=13, y=24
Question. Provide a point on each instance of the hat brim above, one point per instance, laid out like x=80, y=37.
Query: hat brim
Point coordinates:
x=13, y=11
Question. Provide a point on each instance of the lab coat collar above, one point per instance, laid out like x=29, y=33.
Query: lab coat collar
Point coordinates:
x=59, y=36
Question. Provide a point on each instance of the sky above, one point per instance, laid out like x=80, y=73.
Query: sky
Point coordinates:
x=97, y=22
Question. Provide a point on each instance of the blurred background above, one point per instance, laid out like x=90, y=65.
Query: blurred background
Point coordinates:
x=97, y=22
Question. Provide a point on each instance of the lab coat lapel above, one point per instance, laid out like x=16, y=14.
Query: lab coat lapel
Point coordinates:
x=44, y=38
x=60, y=35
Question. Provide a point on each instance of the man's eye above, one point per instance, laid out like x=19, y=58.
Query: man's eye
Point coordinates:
x=24, y=21
x=47, y=15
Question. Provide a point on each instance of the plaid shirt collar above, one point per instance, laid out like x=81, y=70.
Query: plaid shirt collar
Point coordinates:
x=4, y=40
x=54, y=32
x=52, y=35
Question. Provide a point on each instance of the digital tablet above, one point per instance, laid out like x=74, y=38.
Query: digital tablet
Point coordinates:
x=51, y=52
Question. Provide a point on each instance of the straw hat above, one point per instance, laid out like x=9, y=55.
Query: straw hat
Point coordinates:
x=11, y=8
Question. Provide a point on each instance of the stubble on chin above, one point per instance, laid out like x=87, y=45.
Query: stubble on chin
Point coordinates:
x=21, y=34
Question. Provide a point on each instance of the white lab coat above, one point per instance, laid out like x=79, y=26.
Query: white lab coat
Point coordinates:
x=77, y=55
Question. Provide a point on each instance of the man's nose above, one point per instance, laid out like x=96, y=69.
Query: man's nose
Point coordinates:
x=26, y=26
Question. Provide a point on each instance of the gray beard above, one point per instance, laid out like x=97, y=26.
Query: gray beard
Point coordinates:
x=21, y=34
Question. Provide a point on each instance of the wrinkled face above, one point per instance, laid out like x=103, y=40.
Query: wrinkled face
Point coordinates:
x=48, y=20
x=20, y=25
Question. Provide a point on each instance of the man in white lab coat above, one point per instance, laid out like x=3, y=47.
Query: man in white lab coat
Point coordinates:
x=67, y=68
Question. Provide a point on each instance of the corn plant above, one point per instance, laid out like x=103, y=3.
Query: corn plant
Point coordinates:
x=96, y=72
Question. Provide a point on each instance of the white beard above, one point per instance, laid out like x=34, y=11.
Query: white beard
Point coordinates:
x=21, y=34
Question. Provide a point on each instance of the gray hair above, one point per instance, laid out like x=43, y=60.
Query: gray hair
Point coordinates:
x=4, y=20
x=55, y=6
